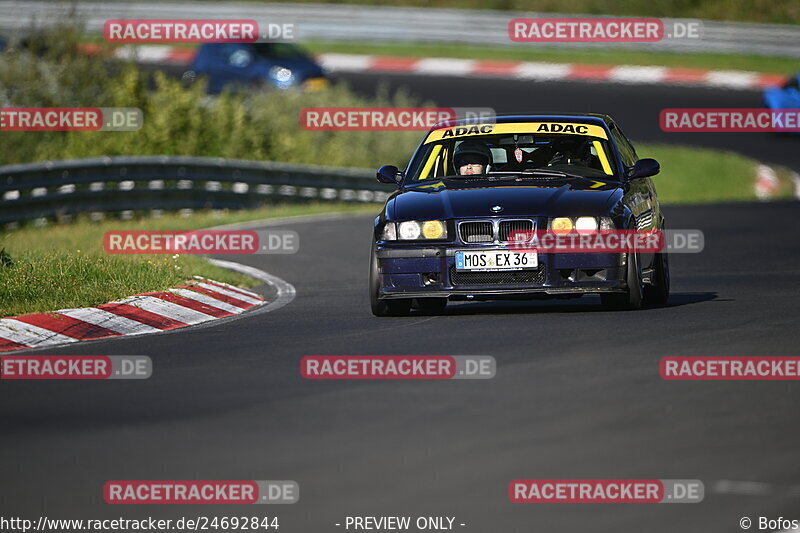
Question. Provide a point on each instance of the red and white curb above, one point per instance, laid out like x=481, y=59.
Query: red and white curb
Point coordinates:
x=796, y=182
x=155, y=53
x=199, y=301
x=524, y=70
x=767, y=182
x=519, y=70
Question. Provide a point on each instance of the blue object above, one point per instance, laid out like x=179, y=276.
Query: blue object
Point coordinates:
x=785, y=97
x=280, y=65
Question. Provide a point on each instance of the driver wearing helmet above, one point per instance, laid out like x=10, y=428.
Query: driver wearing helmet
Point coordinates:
x=472, y=157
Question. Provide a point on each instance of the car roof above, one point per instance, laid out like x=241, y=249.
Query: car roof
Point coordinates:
x=588, y=118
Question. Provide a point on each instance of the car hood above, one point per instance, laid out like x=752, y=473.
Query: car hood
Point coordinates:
x=438, y=200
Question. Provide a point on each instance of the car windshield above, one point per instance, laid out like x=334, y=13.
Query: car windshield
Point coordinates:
x=278, y=51
x=536, y=149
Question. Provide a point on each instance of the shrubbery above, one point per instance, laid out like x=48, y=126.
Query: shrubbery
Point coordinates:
x=181, y=120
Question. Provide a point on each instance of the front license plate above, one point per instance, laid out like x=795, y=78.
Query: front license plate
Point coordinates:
x=316, y=84
x=496, y=260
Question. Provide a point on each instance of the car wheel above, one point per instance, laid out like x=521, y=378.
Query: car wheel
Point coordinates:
x=658, y=293
x=383, y=307
x=633, y=297
x=431, y=305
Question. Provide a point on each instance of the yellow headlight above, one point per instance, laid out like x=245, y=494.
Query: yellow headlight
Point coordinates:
x=561, y=225
x=315, y=84
x=433, y=229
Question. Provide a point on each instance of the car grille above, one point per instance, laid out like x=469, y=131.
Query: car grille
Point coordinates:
x=485, y=231
x=507, y=227
x=505, y=277
x=476, y=231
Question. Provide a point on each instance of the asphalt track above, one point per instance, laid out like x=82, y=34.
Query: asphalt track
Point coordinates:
x=577, y=394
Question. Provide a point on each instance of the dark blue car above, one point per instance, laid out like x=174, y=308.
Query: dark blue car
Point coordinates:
x=248, y=65
x=451, y=230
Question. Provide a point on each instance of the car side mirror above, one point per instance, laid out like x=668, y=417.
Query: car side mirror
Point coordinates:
x=644, y=168
x=389, y=174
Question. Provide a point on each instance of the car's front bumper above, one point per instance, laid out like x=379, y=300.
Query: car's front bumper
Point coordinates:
x=429, y=272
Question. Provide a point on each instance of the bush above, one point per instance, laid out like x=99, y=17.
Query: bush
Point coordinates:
x=181, y=120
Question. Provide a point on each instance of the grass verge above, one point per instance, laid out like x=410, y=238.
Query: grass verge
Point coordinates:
x=700, y=175
x=606, y=56
x=65, y=266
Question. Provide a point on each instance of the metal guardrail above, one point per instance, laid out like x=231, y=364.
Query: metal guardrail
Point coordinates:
x=129, y=185
x=390, y=24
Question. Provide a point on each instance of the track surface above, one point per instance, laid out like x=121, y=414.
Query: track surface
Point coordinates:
x=577, y=394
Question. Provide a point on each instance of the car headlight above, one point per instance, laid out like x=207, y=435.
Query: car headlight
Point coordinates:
x=561, y=225
x=409, y=230
x=282, y=75
x=586, y=224
x=389, y=232
x=433, y=229
x=606, y=223
x=412, y=230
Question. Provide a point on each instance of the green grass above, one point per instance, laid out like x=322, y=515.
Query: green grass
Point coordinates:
x=65, y=266
x=608, y=56
x=699, y=175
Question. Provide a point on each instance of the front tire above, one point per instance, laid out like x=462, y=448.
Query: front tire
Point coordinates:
x=631, y=299
x=381, y=307
x=658, y=293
